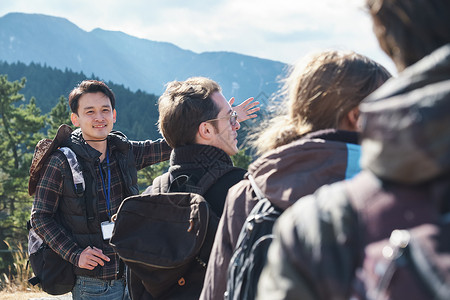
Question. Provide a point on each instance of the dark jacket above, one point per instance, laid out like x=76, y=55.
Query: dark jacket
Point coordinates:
x=213, y=171
x=284, y=175
x=69, y=222
x=79, y=213
x=321, y=241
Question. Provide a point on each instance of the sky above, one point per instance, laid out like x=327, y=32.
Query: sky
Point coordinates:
x=281, y=30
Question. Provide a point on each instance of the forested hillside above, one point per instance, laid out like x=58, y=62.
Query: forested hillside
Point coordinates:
x=137, y=112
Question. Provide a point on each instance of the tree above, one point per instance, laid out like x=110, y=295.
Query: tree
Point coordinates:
x=19, y=132
x=241, y=159
x=146, y=175
x=60, y=114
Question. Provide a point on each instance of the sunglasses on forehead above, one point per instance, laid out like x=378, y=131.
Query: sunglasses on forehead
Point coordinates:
x=232, y=116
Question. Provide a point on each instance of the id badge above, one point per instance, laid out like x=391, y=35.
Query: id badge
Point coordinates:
x=107, y=229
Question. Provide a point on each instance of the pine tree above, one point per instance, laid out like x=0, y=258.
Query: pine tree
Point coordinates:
x=241, y=159
x=146, y=175
x=60, y=114
x=19, y=132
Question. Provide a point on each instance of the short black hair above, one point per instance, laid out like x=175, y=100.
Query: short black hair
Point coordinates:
x=86, y=87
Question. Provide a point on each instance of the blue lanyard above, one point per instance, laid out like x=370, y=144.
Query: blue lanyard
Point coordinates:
x=107, y=193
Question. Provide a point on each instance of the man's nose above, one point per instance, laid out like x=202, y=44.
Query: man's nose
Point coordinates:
x=98, y=117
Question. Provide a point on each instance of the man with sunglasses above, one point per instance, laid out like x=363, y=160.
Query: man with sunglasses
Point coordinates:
x=201, y=126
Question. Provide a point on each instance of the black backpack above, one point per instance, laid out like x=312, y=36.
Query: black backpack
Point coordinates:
x=54, y=274
x=251, y=249
x=165, y=238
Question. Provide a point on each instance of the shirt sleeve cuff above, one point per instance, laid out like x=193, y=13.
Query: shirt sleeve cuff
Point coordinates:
x=75, y=257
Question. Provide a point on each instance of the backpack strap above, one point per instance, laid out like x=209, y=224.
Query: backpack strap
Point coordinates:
x=408, y=248
x=77, y=174
x=78, y=179
x=207, y=181
x=217, y=193
x=217, y=189
x=164, y=184
x=256, y=189
x=161, y=183
x=436, y=282
x=263, y=205
x=182, y=183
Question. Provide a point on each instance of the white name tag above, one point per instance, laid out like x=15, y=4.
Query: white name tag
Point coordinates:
x=107, y=229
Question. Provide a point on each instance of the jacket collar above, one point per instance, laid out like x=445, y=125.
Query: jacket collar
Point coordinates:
x=116, y=141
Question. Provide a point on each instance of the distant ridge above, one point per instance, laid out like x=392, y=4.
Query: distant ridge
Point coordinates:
x=136, y=63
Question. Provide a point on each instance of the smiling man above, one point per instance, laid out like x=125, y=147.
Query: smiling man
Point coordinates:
x=75, y=225
x=200, y=125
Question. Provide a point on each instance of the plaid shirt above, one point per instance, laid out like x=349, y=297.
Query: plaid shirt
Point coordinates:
x=49, y=193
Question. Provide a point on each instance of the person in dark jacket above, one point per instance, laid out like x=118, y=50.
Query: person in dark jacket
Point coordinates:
x=71, y=223
x=322, y=243
x=314, y=143
x=201, y=127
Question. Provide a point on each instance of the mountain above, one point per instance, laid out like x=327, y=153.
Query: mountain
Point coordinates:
x=138, y=64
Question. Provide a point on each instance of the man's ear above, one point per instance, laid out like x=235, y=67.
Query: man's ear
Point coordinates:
x=114, y=115
x=74, y=119
x=205, y=131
